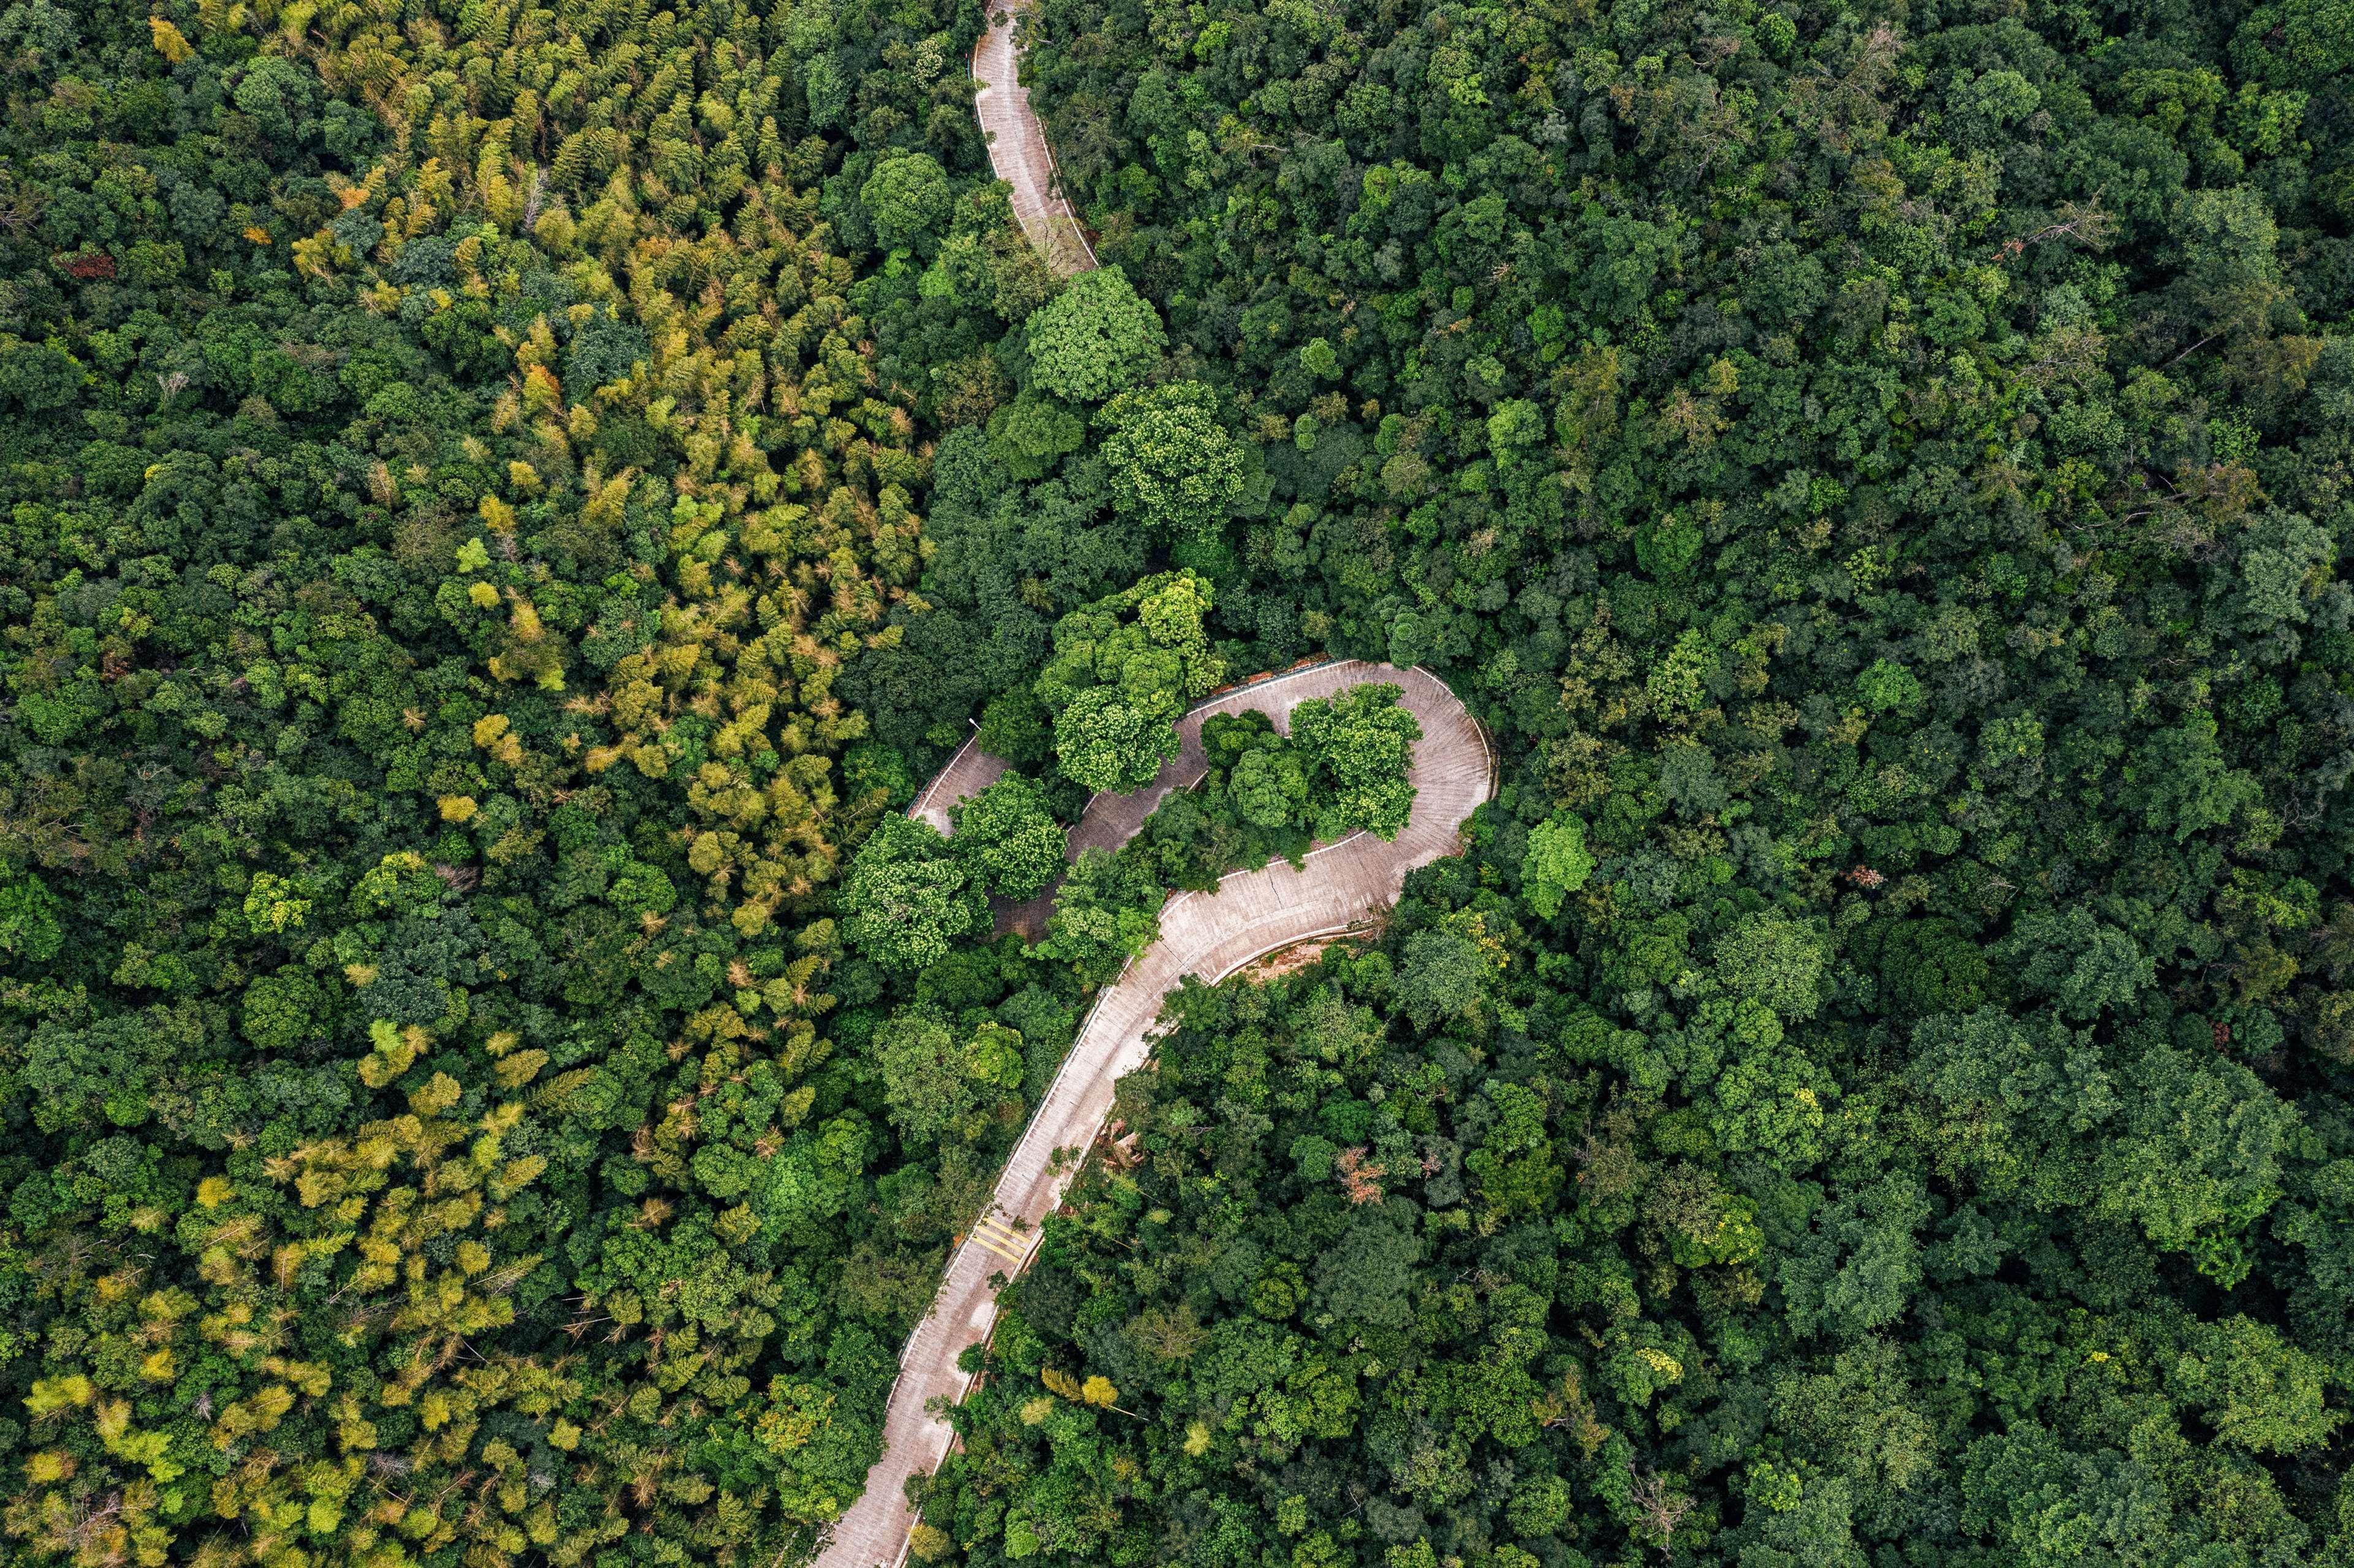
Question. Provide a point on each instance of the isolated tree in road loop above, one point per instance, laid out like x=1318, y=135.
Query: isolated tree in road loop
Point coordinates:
x=908, y=896
x=1269, y=787
x=1008, y=837
x=1266, y=779
x=1095, y=338
x=1358, y=745
x=1110, y=746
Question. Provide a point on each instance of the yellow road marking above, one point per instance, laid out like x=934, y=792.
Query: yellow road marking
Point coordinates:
x=1001, y=1239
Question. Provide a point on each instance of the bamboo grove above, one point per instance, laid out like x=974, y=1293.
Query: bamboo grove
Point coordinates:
x=451, y=470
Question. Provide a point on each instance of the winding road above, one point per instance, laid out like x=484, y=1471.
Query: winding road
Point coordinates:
x=1017, y=146
x=1207, y=935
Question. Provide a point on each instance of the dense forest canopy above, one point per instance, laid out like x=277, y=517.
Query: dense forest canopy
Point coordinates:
x=1874, y=1091
x=506, y=505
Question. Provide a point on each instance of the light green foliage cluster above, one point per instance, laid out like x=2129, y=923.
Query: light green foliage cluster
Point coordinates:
x=1356, y=747
x=907, y=197
x=1109, y=745
x=939, y=1084
x=1266, y=779
x=1558, y=863
x=909, y=895
x=1008, y=836
x=1122, y=672
x=1094, y=339
x=1105, y=913
x=1173, y=466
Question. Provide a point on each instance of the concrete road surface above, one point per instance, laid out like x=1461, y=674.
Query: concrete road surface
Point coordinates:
x=1208, y=934
x=1018, y=150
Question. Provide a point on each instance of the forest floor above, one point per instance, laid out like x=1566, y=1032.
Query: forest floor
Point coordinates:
x=1206, y=934
x=1295, y=957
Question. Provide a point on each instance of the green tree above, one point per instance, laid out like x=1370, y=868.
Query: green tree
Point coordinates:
x=2299, y=43
x=1860, y=1267
x=2198, y=1154
x=1775, y=961
x=1031, y=434
x=2257, y=1392
x=1108, y=745
x=1557, y=863
x=1150, y=642
x=939, y=1083
x=1017, y=728
x=1888, y=686
x=1861, y=1417
x=2009, y=1103
x=2046, y=1506
x=1269, y=787
x=908, y=896
x=281, y=1011
x=1174, y=467
x=1366, y=1277
x=1008, y=836
x=1443, y=975
x=1358, y=745
x=906, y=197
x=1094, y=339
x=2083, y=964
x=1107, y=911
x=2182, y=782
x=30, y=928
